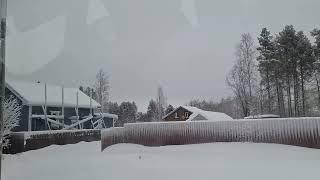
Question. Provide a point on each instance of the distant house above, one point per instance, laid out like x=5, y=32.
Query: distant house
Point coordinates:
x=188, y=113
x=66, y=108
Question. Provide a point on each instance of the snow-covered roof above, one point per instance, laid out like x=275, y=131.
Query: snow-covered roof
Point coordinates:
x=207, y=115
x=32, y=93
x=262, y=116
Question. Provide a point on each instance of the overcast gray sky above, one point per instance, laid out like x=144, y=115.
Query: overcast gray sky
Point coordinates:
x=187, y=46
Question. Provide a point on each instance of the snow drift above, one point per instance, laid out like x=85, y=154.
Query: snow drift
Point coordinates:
x=216, y=161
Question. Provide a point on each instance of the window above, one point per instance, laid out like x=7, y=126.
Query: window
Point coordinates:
x=186, y=114
x=176, y=115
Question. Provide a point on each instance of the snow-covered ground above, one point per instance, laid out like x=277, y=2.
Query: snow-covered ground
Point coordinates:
x=221, y=161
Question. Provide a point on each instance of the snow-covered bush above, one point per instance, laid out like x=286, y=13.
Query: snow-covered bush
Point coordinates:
x=11, y=117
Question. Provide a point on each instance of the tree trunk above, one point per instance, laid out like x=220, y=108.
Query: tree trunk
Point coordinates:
x=289, y=96
x=302, y=91
x=261, y=107
x=243, y=106
x=318, y=89
x=282, y=101
x=280, y=98
x=249, y=101
x=269, y=92
x=296, y=94
x=295, y=87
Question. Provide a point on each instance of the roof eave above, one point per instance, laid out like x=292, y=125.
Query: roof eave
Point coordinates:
x=24, y=101
x=66, y=105
x=175, y=111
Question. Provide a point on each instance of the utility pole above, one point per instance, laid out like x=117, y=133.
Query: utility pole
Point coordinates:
x=3, y=14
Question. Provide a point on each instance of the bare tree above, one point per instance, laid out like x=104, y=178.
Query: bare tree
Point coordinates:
x=241, y=78
x=246, y=56
x=161, y=102
x=236, y=82
x=102, y=89
x=12, y=112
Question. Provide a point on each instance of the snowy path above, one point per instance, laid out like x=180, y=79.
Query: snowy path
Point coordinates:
x=222, y=161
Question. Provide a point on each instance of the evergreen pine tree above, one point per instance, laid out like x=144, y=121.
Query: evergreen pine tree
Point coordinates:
x=266, y=65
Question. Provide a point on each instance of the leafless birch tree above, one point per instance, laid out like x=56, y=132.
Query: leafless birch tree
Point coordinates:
x=102, y=87
x=241, y=78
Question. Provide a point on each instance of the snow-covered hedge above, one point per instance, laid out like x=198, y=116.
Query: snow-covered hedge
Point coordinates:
x=11, y=117
x=291, y=131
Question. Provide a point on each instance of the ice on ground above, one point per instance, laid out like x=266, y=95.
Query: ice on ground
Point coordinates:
x=223, y=161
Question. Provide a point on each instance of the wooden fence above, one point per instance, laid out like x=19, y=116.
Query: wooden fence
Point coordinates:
x=25, y=141
x=291, y=131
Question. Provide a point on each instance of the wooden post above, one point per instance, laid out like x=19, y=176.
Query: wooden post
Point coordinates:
x=77, y=109
x=91, y=102
x=62, y=105
x=45, y=95
x=77, y=95
x=30, y=119
x=45, y=105
x=3, y=16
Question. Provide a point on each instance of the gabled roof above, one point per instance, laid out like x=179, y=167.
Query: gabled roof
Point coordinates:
x=32, y=93
x=208, y=115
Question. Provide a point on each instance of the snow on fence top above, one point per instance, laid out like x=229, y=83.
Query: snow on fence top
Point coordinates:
x=292, y=131
x=262, y=116
x=208, y=115
x=30, y=134
x=278, y=119
x=25, y=141
x=34, y=94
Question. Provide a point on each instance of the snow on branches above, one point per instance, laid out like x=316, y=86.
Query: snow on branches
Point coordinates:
x=12, y=112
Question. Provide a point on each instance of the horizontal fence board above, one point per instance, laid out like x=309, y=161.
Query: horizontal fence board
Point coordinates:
x=25, y=141
x=290, y=131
